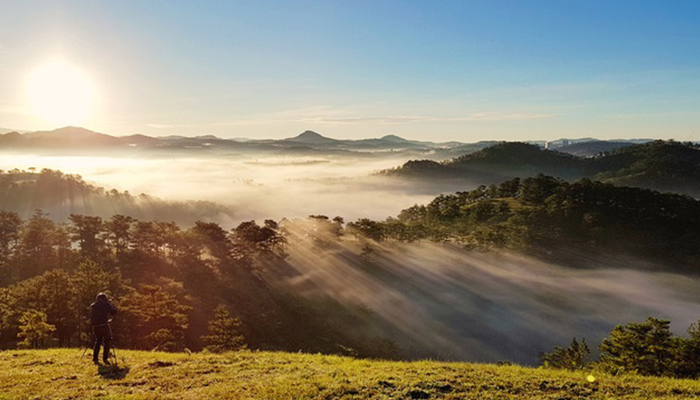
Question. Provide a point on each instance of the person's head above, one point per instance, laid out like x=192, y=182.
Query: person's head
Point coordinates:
x=101, y=297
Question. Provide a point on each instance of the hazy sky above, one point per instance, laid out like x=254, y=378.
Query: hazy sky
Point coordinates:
x=435, y=70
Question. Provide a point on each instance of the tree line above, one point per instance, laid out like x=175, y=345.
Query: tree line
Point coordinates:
x=175, y=288
x=658, y=165
x=549, y=217
x=646, y=348
x=59, y=194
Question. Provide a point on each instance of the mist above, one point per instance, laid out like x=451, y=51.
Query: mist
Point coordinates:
x=250, y=186
x=433, y=300
x=441, y=301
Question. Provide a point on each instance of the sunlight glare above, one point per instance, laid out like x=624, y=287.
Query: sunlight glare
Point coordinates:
x=60, y=93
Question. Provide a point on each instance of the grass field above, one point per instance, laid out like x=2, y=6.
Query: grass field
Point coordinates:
x=63, y=374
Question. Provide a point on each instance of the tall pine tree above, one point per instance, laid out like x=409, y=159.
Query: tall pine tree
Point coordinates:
x=224, y=332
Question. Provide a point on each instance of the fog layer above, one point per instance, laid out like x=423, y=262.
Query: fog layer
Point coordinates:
x=433, y=300
x=441, y=301
x=253, y=187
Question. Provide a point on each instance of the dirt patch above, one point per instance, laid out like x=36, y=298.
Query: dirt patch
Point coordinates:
x=36, y=363
x=161, y=364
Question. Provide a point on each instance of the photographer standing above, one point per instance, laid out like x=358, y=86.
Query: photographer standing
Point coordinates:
x=100, y=316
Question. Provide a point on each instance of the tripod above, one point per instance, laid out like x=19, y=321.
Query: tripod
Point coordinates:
x=109, y=345
x=113, y=354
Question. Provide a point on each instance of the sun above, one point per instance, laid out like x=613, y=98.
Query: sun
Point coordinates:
x=60, y=93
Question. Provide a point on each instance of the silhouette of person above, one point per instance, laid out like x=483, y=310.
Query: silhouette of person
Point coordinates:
x=100, y=312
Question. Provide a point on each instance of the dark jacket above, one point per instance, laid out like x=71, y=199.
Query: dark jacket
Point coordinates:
x=100, y=311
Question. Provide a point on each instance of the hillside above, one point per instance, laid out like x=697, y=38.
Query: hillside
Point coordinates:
x=62, y=194
x=495, y=163
x=554, y=219
x=63, y=374
x=592, y=148
x=659, y=165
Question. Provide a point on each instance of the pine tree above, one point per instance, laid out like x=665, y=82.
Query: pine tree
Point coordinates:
x=224, y=332
x=34, y=329
x=573, y=357
x=645, y=348
x=155, y=318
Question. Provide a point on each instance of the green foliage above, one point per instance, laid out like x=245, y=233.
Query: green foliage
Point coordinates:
x=35, y=251
x=548, y=217
x=658, y=165
x=248, y=239
x=572, y=358
x=154, y=318
x=10, y=224
x=63, y=296
x=53, y=294
x=33, y=329
x=365, y=227
x=646, y=348
x=86, y=232
x=63, y=267
x=224, y=332
x=691, y=352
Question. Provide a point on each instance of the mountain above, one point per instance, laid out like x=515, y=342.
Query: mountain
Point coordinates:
x=11, y=138
x=494, y=163
x=385, y=143
x=592, y=148
x=311, y=137
x=515, y=153
x=138, y=140
x=308, y=142
x=70, y=136
x=6, y=130
x=393, y=139
x=659, y=165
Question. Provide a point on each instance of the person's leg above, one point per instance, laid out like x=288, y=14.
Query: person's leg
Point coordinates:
x=108, y=343
x=98, y=342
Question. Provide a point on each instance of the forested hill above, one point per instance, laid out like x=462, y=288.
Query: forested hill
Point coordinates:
x=492, y=164
x=60, y=195
x=323, y=285
x=552, y=218
x=659, y=165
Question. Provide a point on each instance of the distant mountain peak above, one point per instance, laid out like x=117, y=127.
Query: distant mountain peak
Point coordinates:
x=311, y=137
x=69, y=136
x=73, y=131
x=394, y=138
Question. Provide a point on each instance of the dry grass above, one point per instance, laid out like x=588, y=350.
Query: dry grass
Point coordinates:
x=63, y=374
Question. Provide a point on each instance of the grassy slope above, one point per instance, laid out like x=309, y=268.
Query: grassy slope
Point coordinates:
x=62, y=373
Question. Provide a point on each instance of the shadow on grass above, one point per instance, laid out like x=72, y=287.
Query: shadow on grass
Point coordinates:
x=112, y=371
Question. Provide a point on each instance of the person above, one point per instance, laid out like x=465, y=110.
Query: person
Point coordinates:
x=101, y=313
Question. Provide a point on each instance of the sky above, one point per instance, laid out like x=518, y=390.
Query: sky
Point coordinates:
x=428, y=70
